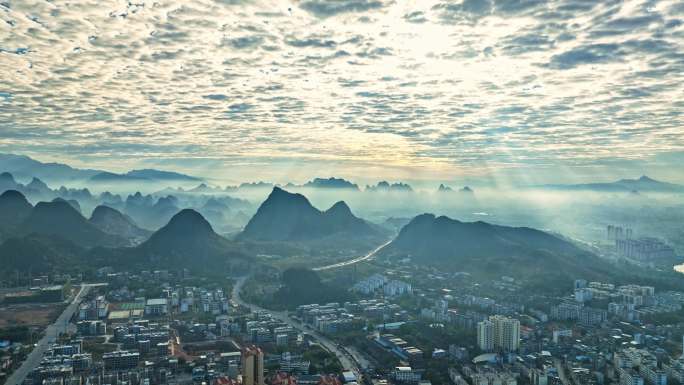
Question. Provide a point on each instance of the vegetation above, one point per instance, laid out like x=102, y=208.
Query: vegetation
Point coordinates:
x=322, y=361
x=303, y=286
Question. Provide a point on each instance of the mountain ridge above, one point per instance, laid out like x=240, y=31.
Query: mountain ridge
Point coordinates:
x=492, y=250
x=286, y=216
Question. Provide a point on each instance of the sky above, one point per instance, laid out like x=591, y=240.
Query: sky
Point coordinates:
x=364, y=89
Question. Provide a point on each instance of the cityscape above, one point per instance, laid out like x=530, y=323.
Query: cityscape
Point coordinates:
x=341, y=192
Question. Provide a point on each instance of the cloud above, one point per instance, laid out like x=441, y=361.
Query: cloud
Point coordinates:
x=310, y=42
x=244, y=42
x=415, y=17
x=328, y=8
x=590, y=54
x=455, y=85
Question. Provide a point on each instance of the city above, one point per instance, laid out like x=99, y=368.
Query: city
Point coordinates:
x=341, y=192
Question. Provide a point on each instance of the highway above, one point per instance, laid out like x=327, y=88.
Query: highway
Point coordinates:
x=51, y=334
x=355, y=260
x=350, y=359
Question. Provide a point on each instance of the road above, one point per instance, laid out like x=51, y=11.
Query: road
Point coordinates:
x=561, y=371
x=350, y=360
x=51, y=334
x=353, y=261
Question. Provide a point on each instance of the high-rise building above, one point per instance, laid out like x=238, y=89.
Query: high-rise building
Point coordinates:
x=485, y=335
x=499, y=333
x=506, y=333
x=252, y=366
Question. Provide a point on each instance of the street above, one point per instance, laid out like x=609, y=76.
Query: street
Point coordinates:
x=350, y=359
x=355, y=260
x=51, y=333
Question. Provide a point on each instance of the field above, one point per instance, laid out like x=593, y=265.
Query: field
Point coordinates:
x=29, y=314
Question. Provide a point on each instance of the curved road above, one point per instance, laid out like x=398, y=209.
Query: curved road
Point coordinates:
x=355, y=260
x=347, y=359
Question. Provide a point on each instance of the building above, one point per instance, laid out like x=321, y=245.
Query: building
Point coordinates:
x=499, y=333
x=252, y=366
x=643, y=249
x=485, y=335
x=405, y=375
x=120, y=360
x=156, y=306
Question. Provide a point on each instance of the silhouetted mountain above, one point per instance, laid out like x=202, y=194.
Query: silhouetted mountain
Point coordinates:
x=395, y=224
x=37, y=186
x=387, y=187
x=110, y=199
x=255, y=185
x=72, y=202
x=113, y=222
x=285, y=216
x=644, y=184
x=25, y=167
x=149, y=213
x=14, y=209
x=7, y=182
x=444, y=188
x=146, y=175
x=331, y=183
x=106, y=176
x=188, y=240
x=59, y=218
x=159, y=175
x=466, y=190
x=480, y=247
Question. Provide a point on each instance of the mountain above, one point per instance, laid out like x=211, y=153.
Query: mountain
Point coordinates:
x=14, y=209
x=492, y=250
x=285, y=216
x=255, y=185
x=7, y=182
x=72, y=202
x=331, y=183
x=160, y=175
x=145, y=175
x=106, y=176
x=387, y=187
x=37, y=186
x=25, y=167
x=149, y=213
x=644, y=184
x=466, y=190
x=444, y=188
x=39, y=254
x=395, y=224
x=114, y=222
x=59, y=218
x=188, y=240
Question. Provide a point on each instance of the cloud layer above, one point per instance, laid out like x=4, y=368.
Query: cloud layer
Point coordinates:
x=444, y=86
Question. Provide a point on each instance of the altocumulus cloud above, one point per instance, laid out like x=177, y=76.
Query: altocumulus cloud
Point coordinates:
x=465, y=83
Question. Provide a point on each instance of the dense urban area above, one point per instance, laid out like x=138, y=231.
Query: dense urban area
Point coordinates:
x=402, y=324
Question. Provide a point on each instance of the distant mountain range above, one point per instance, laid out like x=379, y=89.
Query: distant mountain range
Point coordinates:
x=642, y=184
x=491, y=250
x=285, y=216
x=334, y=183
x=24, y=167
x=147, y=175
x=53, y=235
x=387, y=187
